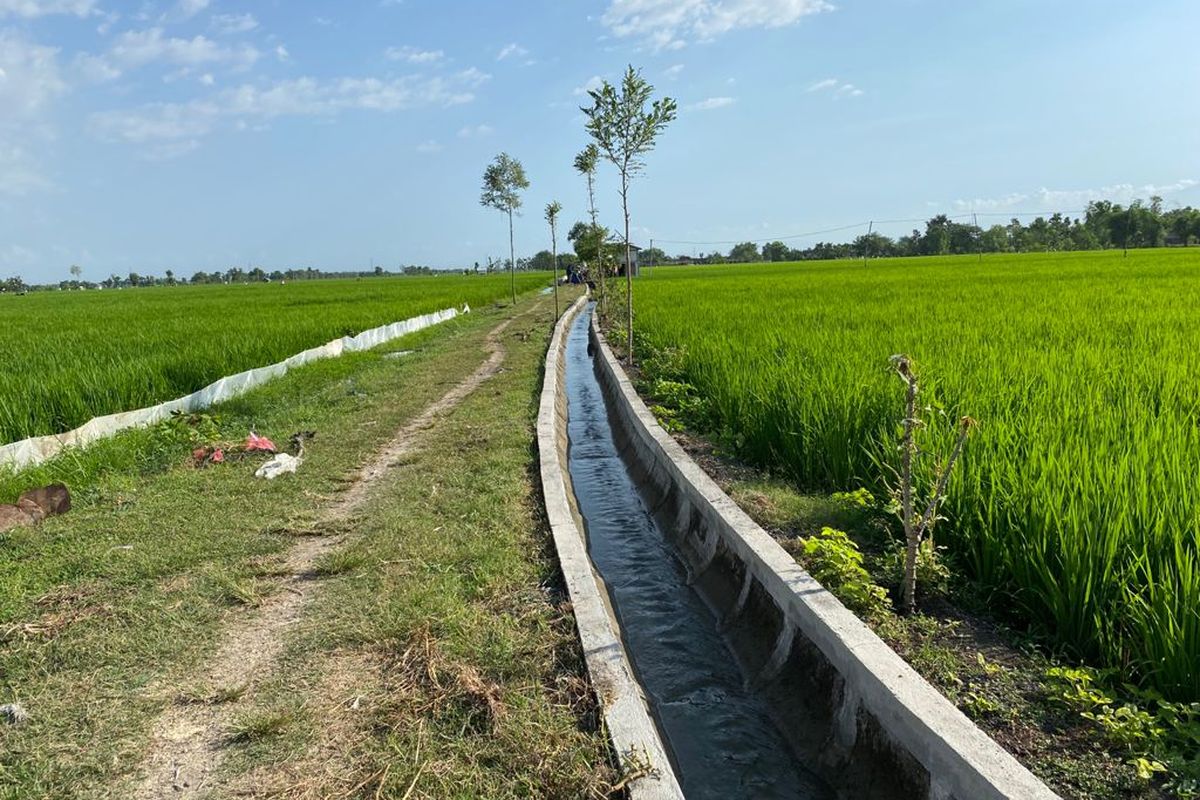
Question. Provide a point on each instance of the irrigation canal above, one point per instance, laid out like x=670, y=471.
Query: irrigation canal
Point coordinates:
x=719, y=733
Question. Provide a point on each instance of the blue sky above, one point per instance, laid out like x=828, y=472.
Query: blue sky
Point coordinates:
x=202, y=134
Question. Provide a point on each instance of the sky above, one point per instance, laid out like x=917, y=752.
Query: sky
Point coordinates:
x=203, y=134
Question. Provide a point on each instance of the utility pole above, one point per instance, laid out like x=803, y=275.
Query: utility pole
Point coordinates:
x=978, y=236
x=867, y=241
x=1128, y=228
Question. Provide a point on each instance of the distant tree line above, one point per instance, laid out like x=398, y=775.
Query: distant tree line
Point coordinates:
x=15, y=284
x=1104, y=225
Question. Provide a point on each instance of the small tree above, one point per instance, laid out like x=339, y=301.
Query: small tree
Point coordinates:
x=552, y=209
x=624, y=130
x=76, y=271
x=586, y=162
x=916, y=528
x=503, y=181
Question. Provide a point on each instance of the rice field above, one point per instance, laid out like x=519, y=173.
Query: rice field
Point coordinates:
x=1077, y=501
x=71, y=356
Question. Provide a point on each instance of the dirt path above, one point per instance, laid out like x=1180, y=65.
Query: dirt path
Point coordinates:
x=188, y=739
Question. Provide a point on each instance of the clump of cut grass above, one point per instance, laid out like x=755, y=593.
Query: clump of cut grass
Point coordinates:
x=215, y=696
x=259, y=725
x=246, y=592
x=339, y=562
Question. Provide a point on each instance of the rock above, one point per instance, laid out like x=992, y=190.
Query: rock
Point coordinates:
x=14, y=714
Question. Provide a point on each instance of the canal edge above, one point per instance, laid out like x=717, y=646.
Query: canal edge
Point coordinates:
x=962, y=762
x=639, y=749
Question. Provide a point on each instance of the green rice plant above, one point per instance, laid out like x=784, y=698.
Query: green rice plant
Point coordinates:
x=1077, y=503
x=71, y=356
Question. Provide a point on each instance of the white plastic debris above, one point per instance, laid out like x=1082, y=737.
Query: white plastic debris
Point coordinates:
x=28, y=452
x=279, y=465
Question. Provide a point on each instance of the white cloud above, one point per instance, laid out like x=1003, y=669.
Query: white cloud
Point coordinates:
x=29, y=77
x=836, y=87
x=282, y=53
x=513, y=50
x=134, y=49
x=168, y=150
x=15, y=256
x=19, y=174
x=672, y=72
x=413, y=55
x=1073, y=200
x=186, y=9
x=475, y=131
x=29, y=83
x=207, y=79
x=712, y=103
x=593, y=83
x=472, y=76
x=252, y=106
x=430, y=146
x=28, y=9
x=109, y=19
x=234, y=23
x=670, y=24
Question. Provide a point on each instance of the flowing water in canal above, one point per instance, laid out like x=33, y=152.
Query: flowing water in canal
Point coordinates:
x=719, y=734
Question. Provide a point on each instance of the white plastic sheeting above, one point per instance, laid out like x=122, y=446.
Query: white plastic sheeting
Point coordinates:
x=34, y=451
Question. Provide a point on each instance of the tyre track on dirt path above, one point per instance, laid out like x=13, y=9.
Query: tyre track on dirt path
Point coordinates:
x=188, y=739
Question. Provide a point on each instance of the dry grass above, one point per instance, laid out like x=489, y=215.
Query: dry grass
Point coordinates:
x=457, y=625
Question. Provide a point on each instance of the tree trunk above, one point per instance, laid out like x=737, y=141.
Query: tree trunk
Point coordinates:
x=628, y=279
x=512, y=260
x=911, y=533
x=554, y=253
x=591, y=182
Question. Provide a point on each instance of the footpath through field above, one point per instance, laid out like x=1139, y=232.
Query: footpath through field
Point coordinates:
x=395, y=633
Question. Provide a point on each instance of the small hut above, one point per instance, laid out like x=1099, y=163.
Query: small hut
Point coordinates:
x=634, y=252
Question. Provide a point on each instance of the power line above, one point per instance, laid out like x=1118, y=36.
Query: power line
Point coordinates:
x=870, y=225
x=768, y=239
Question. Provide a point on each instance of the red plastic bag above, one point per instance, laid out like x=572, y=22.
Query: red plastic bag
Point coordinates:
x=255, y=442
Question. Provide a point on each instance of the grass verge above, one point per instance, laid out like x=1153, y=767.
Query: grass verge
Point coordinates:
x=440, y=658
x=106, y=611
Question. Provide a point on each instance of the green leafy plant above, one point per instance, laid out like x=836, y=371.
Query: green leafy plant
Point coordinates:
x=1163, y=737
x=1127, y=725
x=859, y=499
x=930, y=568
x=193, y=429
x=978, y=705
x=835, y=560
x=1147, y=768
x=1075, y=688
